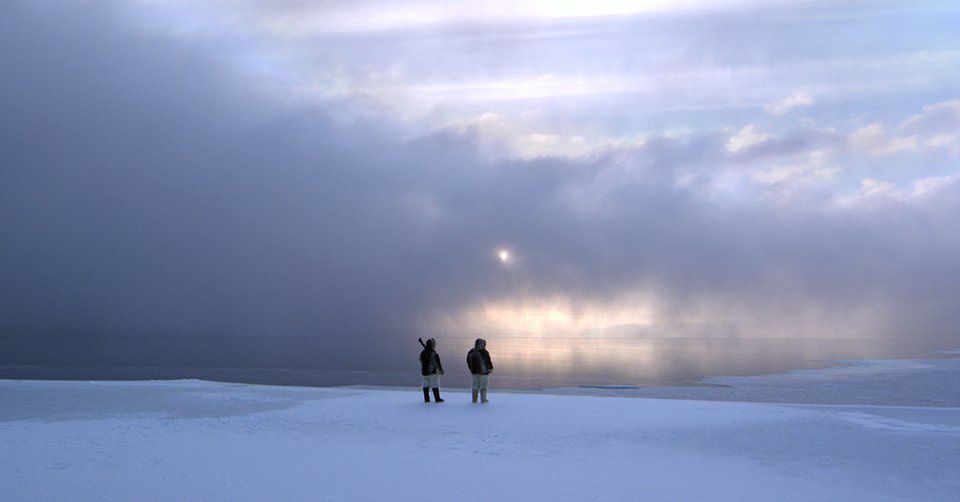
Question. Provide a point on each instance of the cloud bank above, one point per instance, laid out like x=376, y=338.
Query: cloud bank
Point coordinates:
x=149, y=184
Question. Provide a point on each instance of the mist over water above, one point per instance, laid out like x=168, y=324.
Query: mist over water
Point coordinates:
x=520, y=363
x=228, y=193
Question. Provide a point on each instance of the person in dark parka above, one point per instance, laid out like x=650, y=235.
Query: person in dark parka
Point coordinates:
x=478, y=360
x=430, y=370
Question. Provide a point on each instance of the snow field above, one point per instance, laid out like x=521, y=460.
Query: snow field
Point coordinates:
x=193, y=440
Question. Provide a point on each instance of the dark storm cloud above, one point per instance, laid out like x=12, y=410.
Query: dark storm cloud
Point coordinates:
x=143, y=188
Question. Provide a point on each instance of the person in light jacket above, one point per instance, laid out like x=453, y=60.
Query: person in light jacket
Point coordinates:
x=478, y=360
x=430, y=370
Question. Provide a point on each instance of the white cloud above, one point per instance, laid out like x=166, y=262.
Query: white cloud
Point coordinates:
x=937, y=127
x=778, y=174
x=949, y=143
x=365, y=16
x=525, y=136
x=601, y=74
x=874, y=140
x=935, y=118
x=794, y=173
x=785, y=105
x=512, y=89
x=932, y=184
x=940, y=141
x=870, y=187
x=745, y=138
x=877, y=191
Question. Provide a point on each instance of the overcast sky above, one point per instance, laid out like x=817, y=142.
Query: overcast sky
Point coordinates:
x=534, y=168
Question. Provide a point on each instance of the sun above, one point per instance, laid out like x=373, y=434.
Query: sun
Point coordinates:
x=503, y=255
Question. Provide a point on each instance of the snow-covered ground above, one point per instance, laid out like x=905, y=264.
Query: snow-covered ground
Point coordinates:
x=194, y=440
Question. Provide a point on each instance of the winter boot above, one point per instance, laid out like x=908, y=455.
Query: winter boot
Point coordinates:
x=426, y=394
x=475, y=392
x=483, y=396
x=436, y=395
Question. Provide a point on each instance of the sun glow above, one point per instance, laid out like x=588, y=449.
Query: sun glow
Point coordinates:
x=549, y=317
x=549, y=334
